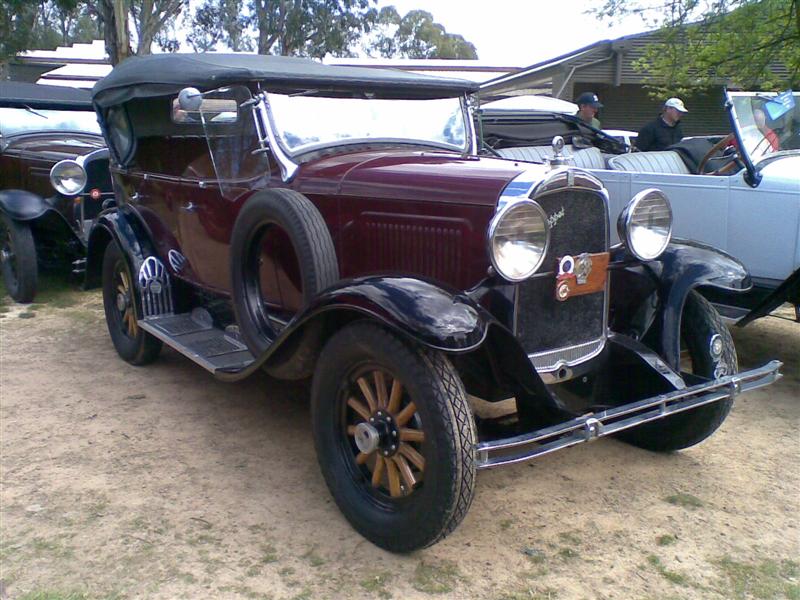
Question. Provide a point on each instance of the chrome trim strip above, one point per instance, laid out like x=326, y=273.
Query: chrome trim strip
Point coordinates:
x=590, y=427
x=287, y=165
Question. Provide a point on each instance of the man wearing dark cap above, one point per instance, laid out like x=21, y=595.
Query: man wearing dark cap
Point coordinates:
x=588, y=105
x=665, y=130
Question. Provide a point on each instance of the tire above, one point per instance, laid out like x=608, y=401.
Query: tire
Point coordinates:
x=316, y=257
x=700, y=323
x=436, y=442
x=18, y=259
x=132, y=343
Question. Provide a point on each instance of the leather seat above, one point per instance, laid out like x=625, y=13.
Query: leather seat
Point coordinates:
x=587, y=158
x=666, y=161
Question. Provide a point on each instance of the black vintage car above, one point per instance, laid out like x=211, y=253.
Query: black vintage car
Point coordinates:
x=53, y=180
x=335, y=223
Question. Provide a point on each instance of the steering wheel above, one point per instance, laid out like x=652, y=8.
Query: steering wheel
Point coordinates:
x=723, y=143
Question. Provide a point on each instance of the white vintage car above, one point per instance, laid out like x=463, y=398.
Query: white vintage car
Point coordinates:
x=740, y=194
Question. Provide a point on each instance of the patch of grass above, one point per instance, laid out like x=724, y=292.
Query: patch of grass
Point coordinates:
x=375, y=583
x=569, y=538
x=672, y=576
x=314, y=559
x=436, y=578
x=765, y=580
x=4, y=308
x=286, y=571
x=534, y=555
x=304, y=595
x=568, y=553
x=685, y=500
x=529, y=594
x=26, y=315
x=666, y=540
x=57, y=290
x=42, y=546
x=506, y=524
x=54, y=595
x=268, y=554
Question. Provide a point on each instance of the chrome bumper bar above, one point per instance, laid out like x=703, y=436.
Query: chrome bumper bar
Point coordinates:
x=590, y=427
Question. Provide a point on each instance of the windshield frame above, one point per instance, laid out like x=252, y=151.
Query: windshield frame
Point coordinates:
x=290, y=160
x=751, y=163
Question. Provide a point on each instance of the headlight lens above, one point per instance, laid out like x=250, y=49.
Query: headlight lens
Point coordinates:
x=68, y=177
x=518, y=238
x=646, y=224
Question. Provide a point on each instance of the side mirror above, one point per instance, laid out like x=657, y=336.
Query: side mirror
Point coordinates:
x=190, y=99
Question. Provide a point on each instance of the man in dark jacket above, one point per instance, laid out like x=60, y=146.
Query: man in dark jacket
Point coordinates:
x=665, y=130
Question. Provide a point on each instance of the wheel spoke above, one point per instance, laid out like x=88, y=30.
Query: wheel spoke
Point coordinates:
x=359, y=407
x=405, y=471
x=412, y=435
x=405, y=415
x=415, y=457
x=124, y=276
x=377, y=474
x=370, y=398
x=396, y=395
x=351, y=430
x=380, y=387
x=120, y=289
x=362, y=458
x=394, y=479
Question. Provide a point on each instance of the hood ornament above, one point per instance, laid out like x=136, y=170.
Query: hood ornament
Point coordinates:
x=558, y=159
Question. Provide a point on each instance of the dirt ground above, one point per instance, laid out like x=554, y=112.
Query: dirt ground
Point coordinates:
x=159, y=482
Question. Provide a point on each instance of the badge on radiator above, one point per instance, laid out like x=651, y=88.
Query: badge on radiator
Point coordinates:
x=584, y=274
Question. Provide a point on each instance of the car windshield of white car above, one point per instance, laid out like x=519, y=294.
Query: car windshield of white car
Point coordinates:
x=18, y=120
x=767, y=122
x=305, y=123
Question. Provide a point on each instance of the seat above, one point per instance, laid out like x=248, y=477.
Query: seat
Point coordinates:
x=527, y=153
x=589, y=158
x=666, y=161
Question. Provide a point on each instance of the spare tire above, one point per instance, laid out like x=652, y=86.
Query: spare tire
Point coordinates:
x=293, y=216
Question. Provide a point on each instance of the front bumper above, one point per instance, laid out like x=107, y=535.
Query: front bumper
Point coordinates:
x=590, y=427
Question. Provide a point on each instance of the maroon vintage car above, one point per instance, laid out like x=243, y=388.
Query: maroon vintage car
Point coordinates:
x=334, y=222
x=53, y=180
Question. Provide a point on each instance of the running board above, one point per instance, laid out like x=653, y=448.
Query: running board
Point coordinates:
x=590, y=427
x=194, y=335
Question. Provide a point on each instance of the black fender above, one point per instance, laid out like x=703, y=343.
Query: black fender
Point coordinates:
x=21, y=205
x=684, y=266
x=427, y=314
x=115, y=225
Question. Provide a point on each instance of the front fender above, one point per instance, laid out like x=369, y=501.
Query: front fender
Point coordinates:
x=126, y=231
x=683, y=266
x=21, y=205
x=440, y=319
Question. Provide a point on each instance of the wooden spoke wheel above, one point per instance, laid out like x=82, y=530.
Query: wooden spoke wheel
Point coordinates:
x=131, y=342
x=386, y=431
x=395, y=437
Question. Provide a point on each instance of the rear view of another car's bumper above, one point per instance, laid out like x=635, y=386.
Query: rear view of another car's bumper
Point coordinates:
x=596, y=425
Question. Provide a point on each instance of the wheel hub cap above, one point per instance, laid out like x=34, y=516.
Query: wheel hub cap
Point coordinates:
x=122, y=302
x=367, y=438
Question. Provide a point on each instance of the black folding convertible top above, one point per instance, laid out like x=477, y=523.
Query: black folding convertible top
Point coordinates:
x=164, y=74
x=18, y=93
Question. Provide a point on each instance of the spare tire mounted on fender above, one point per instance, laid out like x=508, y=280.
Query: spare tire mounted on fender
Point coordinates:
x=316, y=257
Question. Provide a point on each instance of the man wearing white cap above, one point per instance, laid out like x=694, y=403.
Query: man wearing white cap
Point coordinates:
x=665, y=130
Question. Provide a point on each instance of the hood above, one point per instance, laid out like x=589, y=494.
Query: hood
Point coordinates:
x=55, y=146
x=404, y=175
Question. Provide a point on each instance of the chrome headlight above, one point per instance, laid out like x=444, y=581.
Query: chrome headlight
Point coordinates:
x=68, y=177
x=645, y=225
x=518, y=239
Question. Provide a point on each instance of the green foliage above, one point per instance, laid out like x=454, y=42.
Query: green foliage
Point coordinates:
x=685, y=500
x=417, y=35
x=753, y=44
x=765, y=580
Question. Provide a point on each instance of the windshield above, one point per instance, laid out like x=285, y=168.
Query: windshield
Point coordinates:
x=18, y=120
x=767, y=122
x=304, y=123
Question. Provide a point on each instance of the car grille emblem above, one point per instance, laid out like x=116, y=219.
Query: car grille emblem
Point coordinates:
x=553, y=219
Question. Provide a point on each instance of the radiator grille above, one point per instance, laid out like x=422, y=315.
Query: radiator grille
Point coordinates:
x=553, y=331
